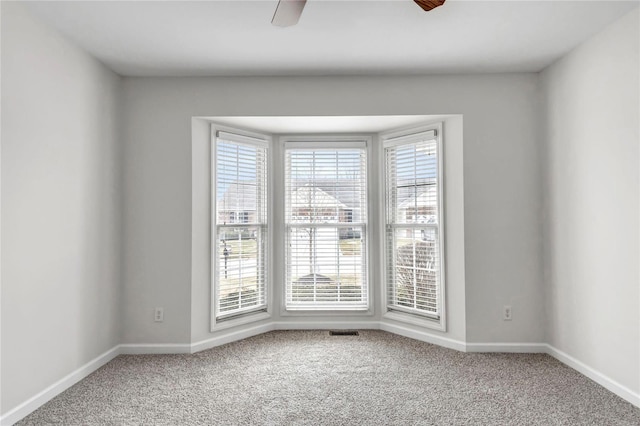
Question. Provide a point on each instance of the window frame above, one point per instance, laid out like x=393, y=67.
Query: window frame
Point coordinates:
x=328, y=142
x=260, y=140
x=397, y=138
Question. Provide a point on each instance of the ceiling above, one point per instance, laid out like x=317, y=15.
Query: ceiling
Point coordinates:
x=230, y=38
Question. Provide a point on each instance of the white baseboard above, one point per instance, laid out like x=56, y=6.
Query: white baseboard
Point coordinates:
x=423, y=336
x=155, y=348
x=613, y=386
x=518, y=348
x=224, y=338
x=33, y=403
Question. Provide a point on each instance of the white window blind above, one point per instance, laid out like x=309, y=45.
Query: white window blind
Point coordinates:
x=240, y=225
x=326, y=227
x=413, y=234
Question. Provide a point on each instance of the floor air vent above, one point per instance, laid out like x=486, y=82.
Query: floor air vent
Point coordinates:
x=343, y=333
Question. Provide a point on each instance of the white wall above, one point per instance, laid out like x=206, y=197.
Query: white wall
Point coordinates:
x=60, y=207
x=502, y=198
x=591, y=202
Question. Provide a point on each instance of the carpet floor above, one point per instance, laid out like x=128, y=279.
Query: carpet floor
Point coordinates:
x=311, y=378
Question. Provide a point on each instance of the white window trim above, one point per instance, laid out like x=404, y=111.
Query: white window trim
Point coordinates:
x=262, y=313
x=314, y=142
x=393, y=138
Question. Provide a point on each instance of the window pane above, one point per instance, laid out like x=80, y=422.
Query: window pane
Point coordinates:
x=414, y=257
x=241, y=183
x=326, y=266
x=326, y=186
x=412, y=183
x=241, y=268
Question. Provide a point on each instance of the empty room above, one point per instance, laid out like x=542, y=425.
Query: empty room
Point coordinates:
x=320, y=212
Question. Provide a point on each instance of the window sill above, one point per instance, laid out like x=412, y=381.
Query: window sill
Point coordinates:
x=425, y=322
x=240, y=320
x=304, y=311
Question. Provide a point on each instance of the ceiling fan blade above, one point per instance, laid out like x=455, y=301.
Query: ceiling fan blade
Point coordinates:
x=428, y=5
x=288, y=12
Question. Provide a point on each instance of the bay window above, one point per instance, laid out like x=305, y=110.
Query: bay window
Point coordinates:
x=320, y=257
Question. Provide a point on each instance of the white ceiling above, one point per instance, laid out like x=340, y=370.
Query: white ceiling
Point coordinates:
x=183, y=38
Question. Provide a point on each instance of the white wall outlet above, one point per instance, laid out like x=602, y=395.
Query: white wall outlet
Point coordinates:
x=506, y=313
x=158, y=316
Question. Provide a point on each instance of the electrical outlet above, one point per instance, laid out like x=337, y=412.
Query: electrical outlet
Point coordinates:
x=158, y=316
x=506, y=313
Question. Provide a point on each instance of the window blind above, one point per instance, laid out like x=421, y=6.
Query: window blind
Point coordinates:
x=413, y=232
x=240, y=225
x=326, y=221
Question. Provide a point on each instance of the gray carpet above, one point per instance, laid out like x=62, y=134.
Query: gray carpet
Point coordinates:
x=310, y=378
